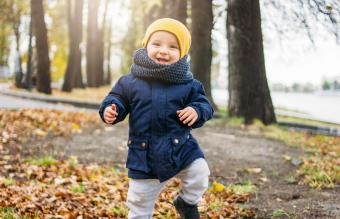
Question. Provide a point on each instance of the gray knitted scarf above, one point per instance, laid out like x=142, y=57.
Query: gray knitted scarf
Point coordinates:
x=146, y=68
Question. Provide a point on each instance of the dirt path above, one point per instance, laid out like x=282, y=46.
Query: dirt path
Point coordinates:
x=229, y=151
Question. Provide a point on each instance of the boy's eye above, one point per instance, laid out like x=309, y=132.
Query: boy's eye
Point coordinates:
x=155, y=44
x=174, y=47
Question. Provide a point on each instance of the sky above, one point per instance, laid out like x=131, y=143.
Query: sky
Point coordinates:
x=293, y=59
x=302, y=64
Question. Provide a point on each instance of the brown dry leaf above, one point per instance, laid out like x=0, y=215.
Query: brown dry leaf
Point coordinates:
x=253, y=170
x=39, y=132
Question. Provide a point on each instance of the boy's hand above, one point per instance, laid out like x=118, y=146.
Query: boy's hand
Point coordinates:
x=110, y=114
x=187, y=115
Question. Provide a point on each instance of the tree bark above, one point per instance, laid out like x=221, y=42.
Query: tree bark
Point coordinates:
x=108, y=58
x=100, y=48
x=73, y=76
x=201, y=48
x=92, y=28
x=249, y=94
x=28, y=79
x=18, y=73
x=78, y=35
x=40, y=33
x=176, y=9
x=94, y=47
x=182, y=14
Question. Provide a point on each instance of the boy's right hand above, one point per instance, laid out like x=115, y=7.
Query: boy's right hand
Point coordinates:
x=110, y=114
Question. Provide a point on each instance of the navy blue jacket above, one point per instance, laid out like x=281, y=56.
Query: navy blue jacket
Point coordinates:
x=160, y=145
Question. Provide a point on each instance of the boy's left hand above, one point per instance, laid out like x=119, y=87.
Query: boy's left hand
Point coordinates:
x=187, y=115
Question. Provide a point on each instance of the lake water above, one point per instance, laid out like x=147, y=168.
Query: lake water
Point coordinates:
x=318, y=106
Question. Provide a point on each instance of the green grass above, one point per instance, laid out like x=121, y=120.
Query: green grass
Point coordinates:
x=239, y=120
x=215, y=206
x=290, y=179
x=11, y=213
x=7, y=213
x=280, y=213
x=225, y=119
x=9, y=181
x=242, y=188
x=44, y=161
x=120, y=210
x=78, y=188
x=6, y=80
x=317, y=178
x=306, y=121
x=72, y=161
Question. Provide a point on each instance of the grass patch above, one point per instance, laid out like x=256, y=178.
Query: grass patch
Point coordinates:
x=6, y=80
x=306, y=121
x=44, y=161
x=9, y=181
x=235, y=121
x=318, y=173
x=78, y=188
x=280, y=213
x=12, y=213
x=7, y=213
x=242, y=188
x=120, y=210
x=290, y=179
x=223, y=118
x=73, y=161
x=215, y=206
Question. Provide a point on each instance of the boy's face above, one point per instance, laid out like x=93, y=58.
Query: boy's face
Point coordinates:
x=163, y=48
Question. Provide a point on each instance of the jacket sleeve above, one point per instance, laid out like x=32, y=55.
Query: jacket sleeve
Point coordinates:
x=119, y=96
x=201, y=104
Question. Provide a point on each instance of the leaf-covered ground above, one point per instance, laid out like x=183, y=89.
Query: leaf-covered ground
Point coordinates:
x=320, y=168
x=235, y=153
x=49, y=188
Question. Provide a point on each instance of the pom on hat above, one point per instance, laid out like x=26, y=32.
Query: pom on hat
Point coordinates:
x=173, y=26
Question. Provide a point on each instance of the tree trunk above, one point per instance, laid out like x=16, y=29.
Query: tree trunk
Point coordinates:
x=18, y=69
x=108, y=58
x=40, y=32
x=94, y=75
x=176, y=9
x=249, y=94
x=100, y=49
x=182, y=7
x=28, y=79
x=201, y=51
x=73, y=76
x=78, y=35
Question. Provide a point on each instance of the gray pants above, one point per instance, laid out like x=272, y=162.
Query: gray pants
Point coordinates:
x=143, y=193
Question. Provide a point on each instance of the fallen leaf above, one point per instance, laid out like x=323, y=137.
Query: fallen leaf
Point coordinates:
x=254, y=170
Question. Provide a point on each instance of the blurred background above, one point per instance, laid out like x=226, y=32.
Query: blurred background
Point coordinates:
x=256, y=59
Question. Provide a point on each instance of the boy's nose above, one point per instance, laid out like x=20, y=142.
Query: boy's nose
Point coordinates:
x=163, y=50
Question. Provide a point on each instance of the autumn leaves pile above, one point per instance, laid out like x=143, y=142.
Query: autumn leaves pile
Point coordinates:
x=45, y=187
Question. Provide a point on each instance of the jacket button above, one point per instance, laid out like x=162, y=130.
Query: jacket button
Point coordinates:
x=176, y=141
x=188, y=136
x=143, y=145
x=129, y=142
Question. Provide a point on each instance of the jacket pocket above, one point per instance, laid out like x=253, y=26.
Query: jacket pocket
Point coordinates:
x=137, y=154
x=177, y=144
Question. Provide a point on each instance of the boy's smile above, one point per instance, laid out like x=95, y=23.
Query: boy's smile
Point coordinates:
x=163, y=48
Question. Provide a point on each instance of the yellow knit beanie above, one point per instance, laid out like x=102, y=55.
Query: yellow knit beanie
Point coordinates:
x=173, y=26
